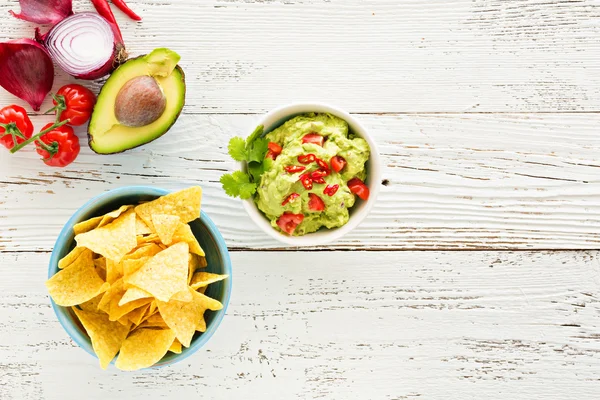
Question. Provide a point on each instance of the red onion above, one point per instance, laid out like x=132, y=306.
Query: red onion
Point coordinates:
x=26, y=71
x=44, y=11
x=85, y=45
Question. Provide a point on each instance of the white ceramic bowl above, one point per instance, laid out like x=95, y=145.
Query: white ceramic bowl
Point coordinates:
x=361, y=208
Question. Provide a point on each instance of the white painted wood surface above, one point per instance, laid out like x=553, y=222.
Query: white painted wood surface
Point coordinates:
x=486, y=115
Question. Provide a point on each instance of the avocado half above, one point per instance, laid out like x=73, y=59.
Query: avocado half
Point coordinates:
x=106, y=134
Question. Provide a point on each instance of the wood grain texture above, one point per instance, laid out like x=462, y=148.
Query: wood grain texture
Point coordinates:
x=370, y=56
x=340, y=325
x=480, y=181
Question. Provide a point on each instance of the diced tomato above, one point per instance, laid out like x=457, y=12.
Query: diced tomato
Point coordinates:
x=306, y=158
x=319, y=174
x=291, y=197
x=315, y=203
x=292, y=169
x=270, y=155
x=338, y=163
x=323, y=165
x=313, y=138
x=306, y=181
x=358, y=187
x=275, y=148
x=288, y=222
x=330, y=190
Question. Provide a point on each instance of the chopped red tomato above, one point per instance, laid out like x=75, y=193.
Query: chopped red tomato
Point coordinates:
x=306, y=158
x=270, y=155
x=323, y=165
x=330, y=190
x=288, y=222
x=291, y=197
x=292, y=169
x=306, y=181
x=313, y=138
x=315, y=203
x=338, y=163
x=358, y=187
x=275, y=148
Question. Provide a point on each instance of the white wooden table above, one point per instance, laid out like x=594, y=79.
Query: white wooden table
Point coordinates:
x=477, y=274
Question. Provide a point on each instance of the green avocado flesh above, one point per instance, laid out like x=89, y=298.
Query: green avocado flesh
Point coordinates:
x=276, y=184
x=106, y=134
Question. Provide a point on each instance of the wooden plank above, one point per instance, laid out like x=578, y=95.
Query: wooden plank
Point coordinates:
x=451, y=182
x=341, y=325
x=370, y=56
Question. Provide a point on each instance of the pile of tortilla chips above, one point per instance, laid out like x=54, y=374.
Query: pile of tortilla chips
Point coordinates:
x=133, y=282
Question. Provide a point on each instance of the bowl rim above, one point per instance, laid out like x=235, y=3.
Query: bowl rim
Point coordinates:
x=320, y=237
x=63, y=314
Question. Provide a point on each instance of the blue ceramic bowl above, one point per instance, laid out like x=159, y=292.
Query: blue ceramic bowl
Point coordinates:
x=205, y=231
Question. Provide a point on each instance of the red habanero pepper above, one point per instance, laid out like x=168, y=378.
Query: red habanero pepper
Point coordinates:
x=15, y=126
x=59, y=147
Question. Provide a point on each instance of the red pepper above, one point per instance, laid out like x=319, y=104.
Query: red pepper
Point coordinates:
x=330, y=190
x=306, y=181
x=306, y=158
x=103, y=8
x=59, y=147
x=275, y=148
x=128, y=11
x=291, y=197
x=319, y=174
x=15, y=126
x=75, y=103
x=292, y=169
x=323, y=165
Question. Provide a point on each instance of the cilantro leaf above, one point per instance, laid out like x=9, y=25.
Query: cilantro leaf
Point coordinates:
x=257, y=150
x=258, y=132
x=238, y=185
x=237, y=149
x=255, y=170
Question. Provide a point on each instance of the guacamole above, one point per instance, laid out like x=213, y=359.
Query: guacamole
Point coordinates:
x=312, y=171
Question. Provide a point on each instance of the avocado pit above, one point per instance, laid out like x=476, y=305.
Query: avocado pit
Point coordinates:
x=140, y=102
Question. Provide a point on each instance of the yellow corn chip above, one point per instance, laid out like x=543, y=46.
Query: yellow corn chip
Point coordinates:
x=123, y=320
x=116, y=291
x=163, y=246
x=78, y=283
x=201, y=289
x=151, y=238
x=175, y=347
x=111, y=216
x=136, y=315
x=185, y=204
x=86, y=226
x=153, y=308
x=132, y=265
x=205, y=303
x=117, y=311
x=141, y=228
x=165, y=226
x=165, y=274
x=184, y=296
x=100, y=264
x=205, y=278
x=92, y=304
x=106, y=336
x=114, y=240
x=72, y=256
x=154, y=321
x=184, y=234
x=132, y=294
x=145, y=250
x=114, y=271
x=202, y=262
x=144, y=348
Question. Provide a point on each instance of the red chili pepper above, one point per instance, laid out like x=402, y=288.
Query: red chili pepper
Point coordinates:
x=306, y=181
x=320, y=181
x=15, y=126
x=337, y=163
x=323, y=165
x=306, y=158
x=270, y=155
x=75, y=103
x=103, y=8
x=292, y=169
x=291, y=197
x=128, y=11
x=319, y=174
x=330, y=190
x=275, y=148
x=59, y=147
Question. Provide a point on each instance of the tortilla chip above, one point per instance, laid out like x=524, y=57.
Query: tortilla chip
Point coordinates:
x=144, y=348
x=144, y=250
x=202, y=289
x=106, y=336
x=86, y=226
x=202, y=262
x=117, y=311
x=205, y=278
x=92, y=304
x=165, y=274
x=151, y=238
x=175, y=347
x=205, y=303
x=141, y=228
x=114, y=240
x=184, y=234
x=123, y=321
x=132, y=265
x=111, y=216
x=132, y=294
x=136, y=315
x=72, y=256
x=114, y=271
x=165, y=226
x=78, y=283
x=185, y=204
x=184, y=296
x=116, y=290
x=154, y=321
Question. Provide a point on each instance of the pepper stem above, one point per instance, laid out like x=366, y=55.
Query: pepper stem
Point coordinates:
x=37, y=136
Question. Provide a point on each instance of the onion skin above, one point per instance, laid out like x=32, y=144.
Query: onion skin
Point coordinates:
x=119, y=54
x=26, y=71
x=44, y=11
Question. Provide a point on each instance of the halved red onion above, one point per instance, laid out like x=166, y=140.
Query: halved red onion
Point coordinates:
x=44, y=11
x=85, y=45
x=26, y=71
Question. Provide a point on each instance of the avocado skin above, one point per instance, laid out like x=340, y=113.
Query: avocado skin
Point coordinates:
x=91, y=139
